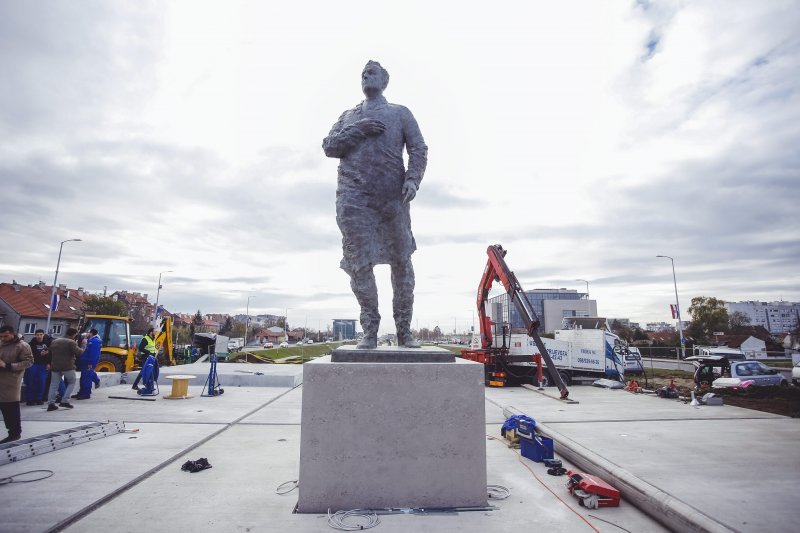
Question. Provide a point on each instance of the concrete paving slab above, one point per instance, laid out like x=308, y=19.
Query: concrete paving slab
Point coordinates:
x=721, y=461
x=599, y=404
x=737, y=465
x=225, y=408
x=242, y=486
x=236, y=374
x=88, y=472
x=285, y=410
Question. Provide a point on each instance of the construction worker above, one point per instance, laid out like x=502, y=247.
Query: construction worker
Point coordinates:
x=147, y=347
x=149, y=375
x=88, y=360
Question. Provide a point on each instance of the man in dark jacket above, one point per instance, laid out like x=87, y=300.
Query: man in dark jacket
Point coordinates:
x=15, y=357
x=36, y=374
x=64, y=352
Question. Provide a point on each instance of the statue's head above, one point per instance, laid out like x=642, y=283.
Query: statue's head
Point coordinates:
x=374, y=78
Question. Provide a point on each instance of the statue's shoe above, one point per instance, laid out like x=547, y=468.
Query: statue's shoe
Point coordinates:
x=409, y=342
x=368, y=343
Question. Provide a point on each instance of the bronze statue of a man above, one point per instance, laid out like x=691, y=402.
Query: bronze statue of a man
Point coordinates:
x=372, y=200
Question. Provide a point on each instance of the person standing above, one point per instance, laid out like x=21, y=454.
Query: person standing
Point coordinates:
x=63, y=352
x=88, y=360
x=15, y=357
x=36, y=375
x=147, y=347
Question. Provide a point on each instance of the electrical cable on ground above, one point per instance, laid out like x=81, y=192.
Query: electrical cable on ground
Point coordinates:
x=337, y=519
x=278, y=488
x=519, y=457
x=497, y=492
x=10, y=479
x=608, y=522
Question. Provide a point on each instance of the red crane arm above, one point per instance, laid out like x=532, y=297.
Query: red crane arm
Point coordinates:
x=497, y=270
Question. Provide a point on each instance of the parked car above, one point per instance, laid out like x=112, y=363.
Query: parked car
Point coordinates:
x=757, y=371
x=284, y=344
x=310, y=341
x=721, y=372
x=796, y=374
x=268, y=345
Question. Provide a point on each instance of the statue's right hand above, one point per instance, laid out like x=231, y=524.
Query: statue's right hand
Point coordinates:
x=370, y=126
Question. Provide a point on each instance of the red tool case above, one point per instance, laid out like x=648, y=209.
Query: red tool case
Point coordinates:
x=592, y=491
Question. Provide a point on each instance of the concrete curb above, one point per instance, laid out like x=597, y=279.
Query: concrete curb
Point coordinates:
x=665, y=508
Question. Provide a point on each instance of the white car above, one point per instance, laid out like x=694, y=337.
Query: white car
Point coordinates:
x=284, y=344
x=268, y=345
x=310, y=341
x=796, y=374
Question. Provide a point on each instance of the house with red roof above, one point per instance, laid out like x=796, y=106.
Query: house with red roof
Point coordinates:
x=25, y=307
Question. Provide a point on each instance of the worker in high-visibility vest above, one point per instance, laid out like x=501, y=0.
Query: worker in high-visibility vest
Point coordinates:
x=147, y=347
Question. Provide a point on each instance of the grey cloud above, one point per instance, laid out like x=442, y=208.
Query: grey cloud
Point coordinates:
x=81, y=59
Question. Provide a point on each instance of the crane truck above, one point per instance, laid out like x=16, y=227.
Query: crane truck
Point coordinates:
x=499, y=364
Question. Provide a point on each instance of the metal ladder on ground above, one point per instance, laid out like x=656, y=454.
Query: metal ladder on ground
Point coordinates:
x=50, y=442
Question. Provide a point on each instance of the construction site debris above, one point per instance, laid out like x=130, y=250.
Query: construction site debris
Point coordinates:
x=608, y=384
x=195, y=466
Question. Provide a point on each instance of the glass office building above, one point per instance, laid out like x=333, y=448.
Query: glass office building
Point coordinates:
x=502, y=309
x=344, y=329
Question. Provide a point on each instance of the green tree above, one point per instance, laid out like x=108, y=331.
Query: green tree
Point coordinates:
x=738, y=322
x=708, y=315
x=227, y=327
x=625, y=333
x=140, y=320
x=197, y=322
x=104, y=305
x=639, y=335
x=237, y=330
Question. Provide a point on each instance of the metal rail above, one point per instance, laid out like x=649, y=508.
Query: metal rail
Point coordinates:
x=50, y=442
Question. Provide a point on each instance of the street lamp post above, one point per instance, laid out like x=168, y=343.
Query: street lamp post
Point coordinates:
x=247, y=321
x=55, y=282
x=677, y=306
x=158, y=293
x=588, y=304
x=285, y=325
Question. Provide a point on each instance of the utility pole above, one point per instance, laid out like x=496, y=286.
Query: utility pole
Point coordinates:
x=55, y=282
x=158, y=293
x=677, y=307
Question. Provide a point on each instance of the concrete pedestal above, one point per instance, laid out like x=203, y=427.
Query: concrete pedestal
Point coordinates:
x=378, y=435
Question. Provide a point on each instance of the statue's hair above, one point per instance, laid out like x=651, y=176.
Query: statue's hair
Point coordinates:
x=383, y=70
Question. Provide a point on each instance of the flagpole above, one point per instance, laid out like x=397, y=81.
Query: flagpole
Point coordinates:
x=55, y=281
x=682, y=353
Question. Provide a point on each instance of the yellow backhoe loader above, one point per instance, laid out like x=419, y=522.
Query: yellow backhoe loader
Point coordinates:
x=118, y=353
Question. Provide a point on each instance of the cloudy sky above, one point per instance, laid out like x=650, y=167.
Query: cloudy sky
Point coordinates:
x=585, y=137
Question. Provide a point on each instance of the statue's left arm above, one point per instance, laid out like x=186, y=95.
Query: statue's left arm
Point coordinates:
x=416, y=148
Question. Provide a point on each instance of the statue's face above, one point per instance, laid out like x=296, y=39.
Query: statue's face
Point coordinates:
x=372, y=81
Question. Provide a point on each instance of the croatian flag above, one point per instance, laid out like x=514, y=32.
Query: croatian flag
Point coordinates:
x=674, y=310
x=56, y=299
